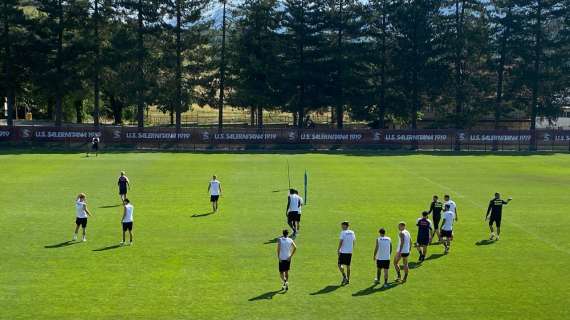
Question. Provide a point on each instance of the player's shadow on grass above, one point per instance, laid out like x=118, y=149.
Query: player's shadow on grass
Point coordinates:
x=202, y=215
x=266, y=296
x=274, y=240
x=61, y=244
x=414, y=265
x=434, y=256
x=325, y=290
x=111, y=247
x=484, y=242
x=374, y=289
x=108, y=207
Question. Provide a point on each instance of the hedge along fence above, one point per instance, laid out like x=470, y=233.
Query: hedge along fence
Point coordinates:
x=555, y=140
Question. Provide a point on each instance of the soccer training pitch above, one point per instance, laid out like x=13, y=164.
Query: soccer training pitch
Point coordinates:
x=189, y=264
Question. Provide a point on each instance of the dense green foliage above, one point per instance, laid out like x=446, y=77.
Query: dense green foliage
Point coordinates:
x=187, y=264
x=381, y=61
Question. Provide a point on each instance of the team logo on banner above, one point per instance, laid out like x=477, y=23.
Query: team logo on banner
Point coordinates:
x=292, y=136
x=25, y=133
x=117, y=134
x=205, y=135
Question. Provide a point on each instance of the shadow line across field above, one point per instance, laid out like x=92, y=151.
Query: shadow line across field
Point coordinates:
x=61, y=244
x=267, y=296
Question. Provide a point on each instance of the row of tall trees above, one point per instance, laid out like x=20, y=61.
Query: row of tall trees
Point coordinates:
x=380, y=60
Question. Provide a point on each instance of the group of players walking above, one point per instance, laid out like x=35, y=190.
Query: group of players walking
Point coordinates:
x=444, y=212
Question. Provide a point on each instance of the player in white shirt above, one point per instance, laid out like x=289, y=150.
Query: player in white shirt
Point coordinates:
x=403, y=251
x=294, y=204
x=382, y=254
x=345, y=247
x=452, y=205
x=215, y=190
x=127, y=221
x=447, y=227
x=285, y=250
x=81, y=214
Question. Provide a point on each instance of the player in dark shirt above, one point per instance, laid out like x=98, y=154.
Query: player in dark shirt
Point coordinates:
x=424, y=235
x=495, y=209
x=435, y=209
x=123, y=184
x=94, y=146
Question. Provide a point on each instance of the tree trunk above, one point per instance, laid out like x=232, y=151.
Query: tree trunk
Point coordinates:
x=50, y=104
x=222, y=69
x=8, y=68
x=59, y=62
x=382, y=106
x=260, y=117
x=536, y=79
x=252, y=117
x=459, y=98
x=501, y=68
x=117, y=108
x=96, y=91
x=340, y=104
x=178, y=65
x=140, y=57
x=78, y=104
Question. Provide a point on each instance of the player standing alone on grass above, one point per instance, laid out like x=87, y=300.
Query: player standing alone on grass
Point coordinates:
x=451, y=204
x=215, y=189
x=127, y=221
x=124, y=185
x=496, y=210
x=294, y=204
x=285, y=250
x=404, y=247
x=94, y=146
x=382, y=254
x=424, y=235
x=435, y=208
x=81, y=216
x=447, y=227
x=345, y=247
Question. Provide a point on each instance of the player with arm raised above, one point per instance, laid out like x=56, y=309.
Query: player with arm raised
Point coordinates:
x=215, y=190
x=435, y=209
x=81, y=216
x=403, y=251
x=285, y=250
x=382, y=254
x=345, y=248
x=496, y=210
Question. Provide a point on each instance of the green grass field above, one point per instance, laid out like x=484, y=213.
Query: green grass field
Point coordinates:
x=223, y=266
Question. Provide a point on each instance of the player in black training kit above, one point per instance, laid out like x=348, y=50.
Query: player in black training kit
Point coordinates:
x=496, y=210
x=435, y=208
x=424, y=235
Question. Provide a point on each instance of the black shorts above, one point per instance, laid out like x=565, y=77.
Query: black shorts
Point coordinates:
x=122, y=191
x=214, y=198
x=446, y=234
x=284, y=265
x=127, y=226
x=81, y=222
x=383, y=264
x=495, y=219
x=95, y=147
x=405, y=255
x=294, y=216
x=344, y=259
x=436, y=219
x=423, y=240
